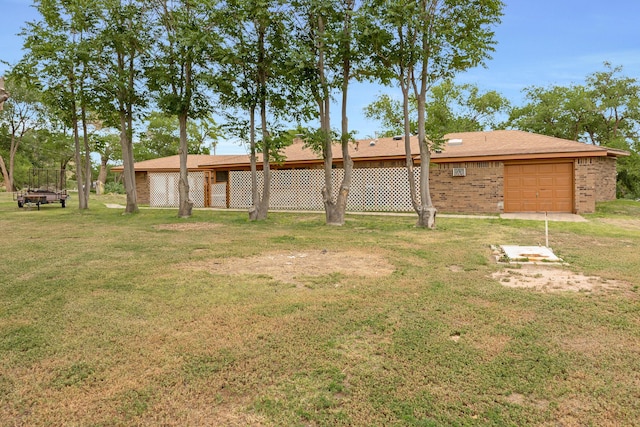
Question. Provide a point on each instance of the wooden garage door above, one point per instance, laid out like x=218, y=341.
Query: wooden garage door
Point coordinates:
x=539, y=187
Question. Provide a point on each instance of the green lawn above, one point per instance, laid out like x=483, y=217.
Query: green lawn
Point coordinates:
x=146, y=320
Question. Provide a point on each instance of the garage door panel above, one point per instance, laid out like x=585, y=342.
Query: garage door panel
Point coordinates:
x=543, y=168
x=545, y=206
x=562, y=193
x=544, y=193
x=563, y=206
x=547, y=181
x=539, y=187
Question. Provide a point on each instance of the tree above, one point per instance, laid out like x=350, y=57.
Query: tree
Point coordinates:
x=22, y=116
x=203, y=135
x=162, y=137
x=106, y=145
x=604, y=111
x=254, y=62
x=124, y=45
x=329, y=55
x=454, y=108
x=59, y=51
x=557, y=111
x=180, y=73
x=419, y=43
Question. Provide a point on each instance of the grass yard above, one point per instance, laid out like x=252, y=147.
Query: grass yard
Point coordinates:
x=146, y=320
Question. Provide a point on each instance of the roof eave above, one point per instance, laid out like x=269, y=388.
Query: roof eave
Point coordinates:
x=521, y=156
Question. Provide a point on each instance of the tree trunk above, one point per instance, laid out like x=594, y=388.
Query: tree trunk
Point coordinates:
x=82, y=201
x=260, y=207
x=263, y=209
x=5, y=175
x=255, y=194
x=128, y=172
x=87, y=155
x=102, y=173
x=12, y=158
x=186, y=205
x=332, y=214
x=413, y=194
x=338, y=210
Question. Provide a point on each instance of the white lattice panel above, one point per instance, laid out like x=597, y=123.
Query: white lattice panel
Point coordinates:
x=163, y=189
x=219, y=195
x=372, y=189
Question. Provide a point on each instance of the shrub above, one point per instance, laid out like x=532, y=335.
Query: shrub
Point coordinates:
x=114, y=188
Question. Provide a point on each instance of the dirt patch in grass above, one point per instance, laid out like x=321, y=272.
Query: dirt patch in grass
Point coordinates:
x=187, y=226
x=556, y=279
x=522, y=400
x=295, y=267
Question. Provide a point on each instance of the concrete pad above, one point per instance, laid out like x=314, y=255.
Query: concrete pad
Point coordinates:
x=540, y=216
x=530, y=253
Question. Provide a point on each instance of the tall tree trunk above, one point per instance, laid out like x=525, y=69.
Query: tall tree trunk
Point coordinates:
x=87, y=154
x=266, y=138
x=340, y=207
x=413, y=194
x=12, y=158
x=102, y=173
x=128, y=172
x=266, y=169
x=186, y=205
x=426, y=212
x=126, y=133
x=5, y=175
x=82, y=200
x=255, y=193
x=324, y=106
x=260, y=206
x=17, y=133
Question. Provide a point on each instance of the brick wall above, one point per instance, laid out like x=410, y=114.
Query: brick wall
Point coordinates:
x=480, y=191
x=595, y=181
x=606, y=173
x=142, y=188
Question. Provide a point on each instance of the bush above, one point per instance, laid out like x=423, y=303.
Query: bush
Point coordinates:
x=113, y=188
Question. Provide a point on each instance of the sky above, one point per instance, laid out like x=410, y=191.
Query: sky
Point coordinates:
x=539, y=43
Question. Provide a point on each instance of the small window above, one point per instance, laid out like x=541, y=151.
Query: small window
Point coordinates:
x=222, y=176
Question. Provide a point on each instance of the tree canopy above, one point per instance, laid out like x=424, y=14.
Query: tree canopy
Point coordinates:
x=167, y=68
x=605, y=111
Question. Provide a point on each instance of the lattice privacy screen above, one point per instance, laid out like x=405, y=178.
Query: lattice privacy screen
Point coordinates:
x=372, y=189
x=163, y=189
x=219, y=195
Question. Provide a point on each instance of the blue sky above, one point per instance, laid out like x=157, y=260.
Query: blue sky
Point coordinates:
x=540, y=43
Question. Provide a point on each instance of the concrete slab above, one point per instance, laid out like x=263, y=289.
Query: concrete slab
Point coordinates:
x=553, y=216
x=530, y=253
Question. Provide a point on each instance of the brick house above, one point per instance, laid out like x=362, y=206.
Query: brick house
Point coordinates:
x=474, y=172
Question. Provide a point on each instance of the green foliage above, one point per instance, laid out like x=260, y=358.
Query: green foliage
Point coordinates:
x=449, y=108
x=162, y=137
x=114, y=188
x=605, y=111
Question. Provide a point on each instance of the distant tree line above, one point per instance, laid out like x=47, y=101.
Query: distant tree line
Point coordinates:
x=139, y=79
x=604, y=111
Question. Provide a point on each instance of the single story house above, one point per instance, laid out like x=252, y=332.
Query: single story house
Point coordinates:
x=474, y=172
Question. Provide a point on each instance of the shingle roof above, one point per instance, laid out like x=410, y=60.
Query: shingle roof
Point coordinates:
x=479, y=146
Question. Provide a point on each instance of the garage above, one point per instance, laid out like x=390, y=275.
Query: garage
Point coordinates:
x=538, y=187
